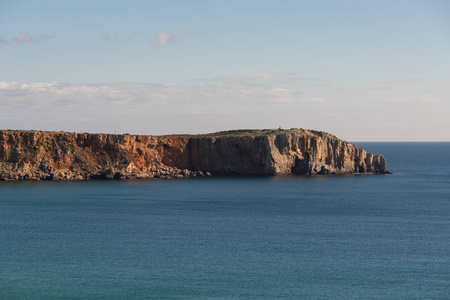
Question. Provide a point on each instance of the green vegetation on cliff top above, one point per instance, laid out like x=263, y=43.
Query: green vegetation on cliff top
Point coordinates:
x=227, y=133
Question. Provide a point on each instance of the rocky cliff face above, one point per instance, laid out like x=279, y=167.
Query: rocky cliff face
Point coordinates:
x=36, y=155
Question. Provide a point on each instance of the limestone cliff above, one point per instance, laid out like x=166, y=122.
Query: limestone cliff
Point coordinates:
x=35, y=155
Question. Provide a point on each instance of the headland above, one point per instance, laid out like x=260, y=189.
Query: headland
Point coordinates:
x=44, y=155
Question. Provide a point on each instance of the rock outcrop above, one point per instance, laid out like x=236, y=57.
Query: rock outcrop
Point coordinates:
x=39, y=155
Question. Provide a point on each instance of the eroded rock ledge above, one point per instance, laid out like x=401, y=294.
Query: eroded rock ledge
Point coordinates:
x=41, y=155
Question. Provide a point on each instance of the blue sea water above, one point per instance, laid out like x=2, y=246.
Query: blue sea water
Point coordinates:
x=335, y=237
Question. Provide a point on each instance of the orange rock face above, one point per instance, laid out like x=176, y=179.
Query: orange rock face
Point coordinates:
x=35, y=155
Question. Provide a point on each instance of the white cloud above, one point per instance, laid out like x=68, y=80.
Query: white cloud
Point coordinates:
x=128, y=93
x=201, y=94
x=165, y=38
x=13, y=85
x=210, y=106
x=110, y=107
x=35, y=87
x=25, y=38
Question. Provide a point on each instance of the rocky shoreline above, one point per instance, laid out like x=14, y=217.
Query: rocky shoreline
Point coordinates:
x=39, y=155
x=164, y=172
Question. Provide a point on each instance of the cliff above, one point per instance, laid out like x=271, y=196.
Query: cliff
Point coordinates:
x=36, y=155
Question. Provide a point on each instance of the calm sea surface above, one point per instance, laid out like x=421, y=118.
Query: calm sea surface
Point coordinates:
x=338, y=237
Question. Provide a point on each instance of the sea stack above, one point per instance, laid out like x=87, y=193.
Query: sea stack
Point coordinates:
x=41, y=155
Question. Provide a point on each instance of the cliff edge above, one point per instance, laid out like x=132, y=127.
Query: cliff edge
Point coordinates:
x=40, y=155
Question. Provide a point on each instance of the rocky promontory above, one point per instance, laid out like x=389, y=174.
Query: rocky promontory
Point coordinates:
x=42, y=155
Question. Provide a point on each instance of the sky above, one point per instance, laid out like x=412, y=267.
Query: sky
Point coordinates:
x=361, y=70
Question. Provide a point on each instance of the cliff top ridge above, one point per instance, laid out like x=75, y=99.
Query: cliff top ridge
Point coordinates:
x=227, y=133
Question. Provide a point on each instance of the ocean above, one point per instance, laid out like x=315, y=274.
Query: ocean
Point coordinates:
x=320, y=237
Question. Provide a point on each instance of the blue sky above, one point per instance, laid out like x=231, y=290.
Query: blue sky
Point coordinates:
x=362, y=70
